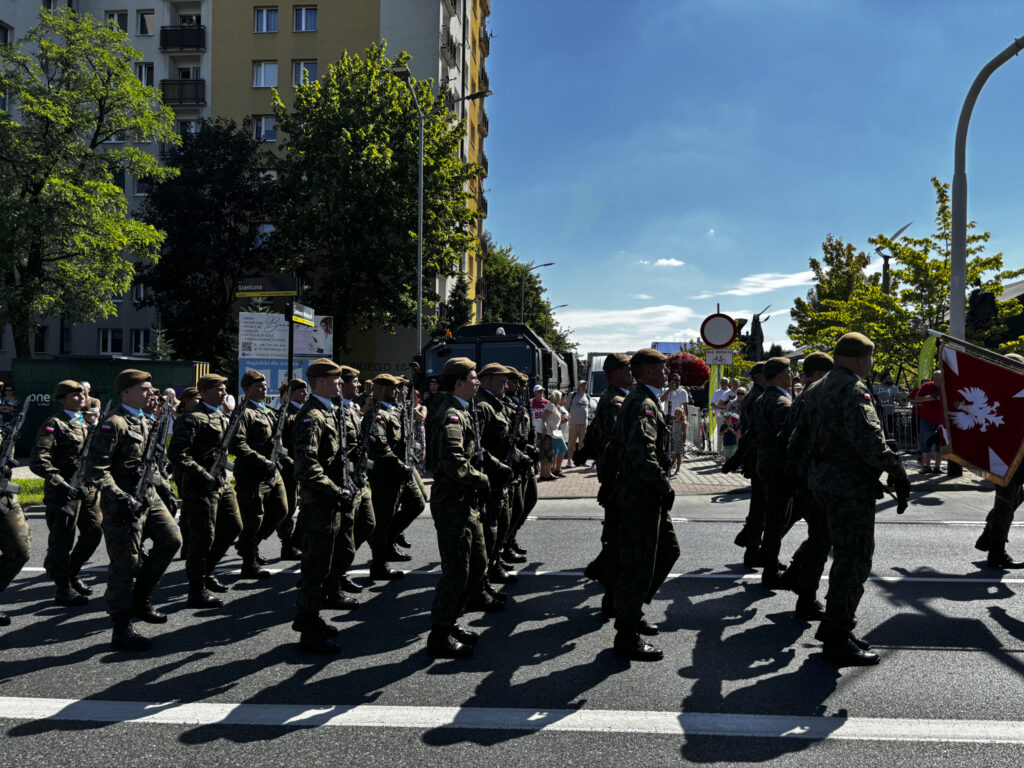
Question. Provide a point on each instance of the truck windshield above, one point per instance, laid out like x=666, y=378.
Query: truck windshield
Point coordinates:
x=598, y=383
x=435, y=362
x=516, y=354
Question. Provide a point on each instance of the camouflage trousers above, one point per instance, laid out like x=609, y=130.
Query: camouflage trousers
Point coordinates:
x=64, y=556
x=261, y=507
x=849, y=505
x=755, y=522
x=523, y=500
x=461, y=544
x=647, y=550
x=497, y=520
x=386, y=491
x=810, y=557
x=411, y=503
x=286, y=528
x=213, y=523
x=15, y=540
x=127, y=582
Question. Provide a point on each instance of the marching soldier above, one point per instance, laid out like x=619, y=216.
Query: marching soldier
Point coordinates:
x=263, y=501
x=116, y=456
x=749, y=536
x=413, y=498
x=209, y=506
x=457, y=501
x=646, y=540
x=524, y=486
x=495, y=431
x=388, y=476
x=771, y=416
x=293, y=395
x=55, y=457
x=848, y=452
x=804, y=572
x=604, y=567
x=15, y=536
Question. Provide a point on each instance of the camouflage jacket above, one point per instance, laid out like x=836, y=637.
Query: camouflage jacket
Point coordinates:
x=453, y=442
x=641, y=441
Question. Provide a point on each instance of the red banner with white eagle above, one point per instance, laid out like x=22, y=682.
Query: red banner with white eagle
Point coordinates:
x=983, y=400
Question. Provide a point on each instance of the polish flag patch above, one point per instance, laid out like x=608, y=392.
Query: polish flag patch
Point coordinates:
x=49, y=429
x=867, y=397
x=648, y=413
x=453, y=420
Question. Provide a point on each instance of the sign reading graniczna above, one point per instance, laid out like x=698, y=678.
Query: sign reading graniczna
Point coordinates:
x=259, y=287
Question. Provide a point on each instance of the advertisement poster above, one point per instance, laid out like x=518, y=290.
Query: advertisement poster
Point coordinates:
x=317, y=341
x=263, y=347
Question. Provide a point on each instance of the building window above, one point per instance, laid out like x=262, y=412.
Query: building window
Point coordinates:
x=186, y=127
x=39, y=342
x=120, y=18
x=138, y=292
x=142, y=187
x=265, y=128
x=65, y=337
x=147, y=22
x=303, y=72
x=144, y=71
x=111, y=341
x=119, y=178
x=266, y=20
x=264, y=74
x=140, y=340
x=305, y=18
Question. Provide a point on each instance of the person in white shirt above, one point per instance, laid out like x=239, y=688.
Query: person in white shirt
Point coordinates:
x=580, y=408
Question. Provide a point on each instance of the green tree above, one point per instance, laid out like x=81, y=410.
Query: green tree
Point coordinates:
x=347, y=202
x=67, y=245
x=161, y=348
x=457, y=311
x=212, y=213
x=506, y=300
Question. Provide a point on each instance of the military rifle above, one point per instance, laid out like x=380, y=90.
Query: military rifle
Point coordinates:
x=341, y=414
x=7, y=451
x=409, y=425
x=278, y=450
x=74, y=485
x=148, y=465
x=363, y=462
x=221, y=464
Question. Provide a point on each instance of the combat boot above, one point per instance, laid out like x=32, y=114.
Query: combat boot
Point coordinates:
x=143, y=610
x=305, y=619
x=348, y=585
x=511, y=556
x=643, y=627
x=441, y=645
x=214, y=584
x=200, y=597
x=125, y=638
x=289, y=552
x=500, y=576
x=252, y=569
x=381, y=571
x=401, y=541
x=840, y=648
x=516, y=547
x=809, y=609
x=999, y=559
x=629, y=645
x=395, y=555
x=464, y=635
x=80, y=586
x=789, y=579
x=5, y=620
x=984, y=542
x=484, y=602
x=490, y=590
x=66, y=596
x=339, y=601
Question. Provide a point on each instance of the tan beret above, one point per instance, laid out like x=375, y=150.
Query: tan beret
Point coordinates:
x=853, y=345
x=68, y=386
x=493, y=369
x=295, y=384
x=251, y=377
x=818, y=361
x=385, y=380
x=647, y=355
x=348, y=373
x=757, y=370
x=323, y=367
x=210, y=381
x=773, y=366
x=517, y=374
x=189, y=392
x=458, y=367
x=615, y=361
x=129, y=377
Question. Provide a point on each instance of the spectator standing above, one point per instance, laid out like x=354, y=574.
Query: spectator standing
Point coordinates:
x=9, y=406
x=678, y=439
x=553, y=419
x=537, y=406
x=730, y=432
x=928, y=400
x=580, y=407
x=676, y=398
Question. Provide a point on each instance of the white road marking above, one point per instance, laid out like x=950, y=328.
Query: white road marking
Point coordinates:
x=476, y=718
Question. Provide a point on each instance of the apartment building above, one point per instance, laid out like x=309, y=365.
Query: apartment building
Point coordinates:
x=213, y=58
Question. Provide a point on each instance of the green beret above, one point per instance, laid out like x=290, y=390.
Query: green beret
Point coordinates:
x=458, y=367
x=1015, y=357
x=818, y=361
x=757, y=370
x=295, y=384
x=251, y=377
x=615, y=361
x=189, y=392
x=68, y=386
x=210, y=381
x=493, y=369
x=647, y=355
x=853, y=345
x=323, y=367
x=385, y=380
x=129, y=377
x=773, y=366
x=348, y=373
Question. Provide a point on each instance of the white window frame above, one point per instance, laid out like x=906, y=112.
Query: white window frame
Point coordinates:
x=142, y=186
x=114, y=16
x=139, y=15
x=299, y=67
x=300, y=18
x=106, y=341
x=143, y=68
x=259, y=127
x=261, y=19
x=136, y=336
x=261, y=74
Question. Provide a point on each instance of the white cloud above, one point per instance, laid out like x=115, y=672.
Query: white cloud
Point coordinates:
x=643, y=296
x=711, y=232
x=603, y=330
x=668, y=263
x=764, y=283
x=643, y=261
x=704, y=295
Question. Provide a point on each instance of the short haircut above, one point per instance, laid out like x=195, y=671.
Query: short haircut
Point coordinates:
x=448, y=380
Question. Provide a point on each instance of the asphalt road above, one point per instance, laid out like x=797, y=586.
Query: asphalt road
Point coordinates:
x=742, y=682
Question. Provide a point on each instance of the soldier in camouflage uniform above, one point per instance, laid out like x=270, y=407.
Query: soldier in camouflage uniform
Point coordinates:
x=804, y=572
x=263, y=501
x=848, y=452
x=605, y=566
x=749, y=536
x=524, y=484
x=771, y=418
x=388, y=476
x=115, y=457
x=413, y=498
x=209, y=505
x=15, y=537
x=293, y=395
x=55, y=457
x=643, y=496
x=457, y=501
x=997, y=524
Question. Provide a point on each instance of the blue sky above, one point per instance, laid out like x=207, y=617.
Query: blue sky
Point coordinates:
x=669, y=155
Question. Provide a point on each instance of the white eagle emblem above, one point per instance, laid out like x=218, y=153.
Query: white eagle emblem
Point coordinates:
x=975, y=412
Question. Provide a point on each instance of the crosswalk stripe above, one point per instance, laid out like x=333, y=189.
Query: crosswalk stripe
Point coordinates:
x=477, y=718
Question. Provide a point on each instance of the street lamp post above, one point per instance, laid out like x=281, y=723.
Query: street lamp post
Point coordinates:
x=958, y=251
x=560, y=306
x=522, y=287
x=403, y=74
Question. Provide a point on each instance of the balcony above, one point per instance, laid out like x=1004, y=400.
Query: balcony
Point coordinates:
x=485, y=124
x=190, y=38
x=449, y=48
x=485, y=41
x=483, y=163
x=483, y=204
x=485, y=81
x=183, y=92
